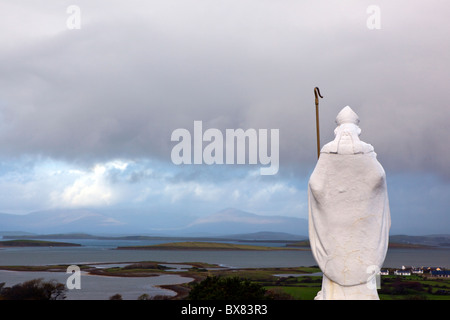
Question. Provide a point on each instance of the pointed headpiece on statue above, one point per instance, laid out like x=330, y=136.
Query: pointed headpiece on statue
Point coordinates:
x=347, y=133
x=347, y=115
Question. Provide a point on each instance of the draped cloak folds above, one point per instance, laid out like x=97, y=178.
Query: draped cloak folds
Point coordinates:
x=349, y=216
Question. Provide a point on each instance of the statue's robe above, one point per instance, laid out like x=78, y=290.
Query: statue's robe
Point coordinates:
x=349, y=218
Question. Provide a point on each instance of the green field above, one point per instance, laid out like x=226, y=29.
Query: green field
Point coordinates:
x=305, y=287
x=415, y=287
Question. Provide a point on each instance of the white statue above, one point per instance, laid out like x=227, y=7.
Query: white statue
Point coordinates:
x=349, y=217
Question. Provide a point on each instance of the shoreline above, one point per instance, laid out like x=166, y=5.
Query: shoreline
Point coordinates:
x=20, y=243
x=189, y=273
x=195, y=271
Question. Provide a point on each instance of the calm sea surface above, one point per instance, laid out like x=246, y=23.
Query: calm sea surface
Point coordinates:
x=93, y=251
x=103, y=251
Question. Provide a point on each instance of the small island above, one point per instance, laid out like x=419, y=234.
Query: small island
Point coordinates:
x=392, y=245
x=36, y=243
x=203, y=246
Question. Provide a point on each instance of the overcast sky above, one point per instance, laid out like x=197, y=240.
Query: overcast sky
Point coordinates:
x=86, y=114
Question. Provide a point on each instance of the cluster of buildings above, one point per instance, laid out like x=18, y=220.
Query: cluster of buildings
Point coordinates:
x=407, y=271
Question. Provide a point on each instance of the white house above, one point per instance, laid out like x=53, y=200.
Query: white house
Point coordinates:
x=417, y=270
x=402, y=272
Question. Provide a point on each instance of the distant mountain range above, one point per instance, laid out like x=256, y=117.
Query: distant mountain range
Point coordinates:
x=233, y=221
x=222, y=223
x=435, y=240
x=246, y=237
x=226, y=224
x=395, y=241
x=60, y=221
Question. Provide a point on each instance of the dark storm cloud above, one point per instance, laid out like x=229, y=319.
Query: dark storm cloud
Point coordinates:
x=136, y=71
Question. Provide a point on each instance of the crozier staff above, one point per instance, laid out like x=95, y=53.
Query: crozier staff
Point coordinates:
x=317, y=92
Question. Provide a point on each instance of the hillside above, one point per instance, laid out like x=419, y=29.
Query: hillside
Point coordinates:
x=36, y=243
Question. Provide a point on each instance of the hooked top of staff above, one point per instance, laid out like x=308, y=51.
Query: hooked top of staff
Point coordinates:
x=317, y=91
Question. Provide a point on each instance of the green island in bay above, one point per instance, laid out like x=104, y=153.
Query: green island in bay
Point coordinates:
x=35, y=243
x=392, y=245
x=193, y=245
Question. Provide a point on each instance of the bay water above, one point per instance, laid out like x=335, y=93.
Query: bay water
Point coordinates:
x=95, y=251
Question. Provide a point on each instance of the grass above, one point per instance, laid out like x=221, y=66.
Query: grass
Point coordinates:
x=306, y=287
x=297, y=288
x=297, y=293
x=414, y=288
x=392, y=288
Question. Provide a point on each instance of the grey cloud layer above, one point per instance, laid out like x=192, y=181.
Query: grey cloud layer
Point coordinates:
x=136, y=71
